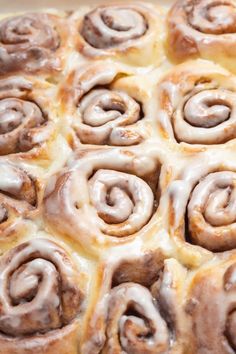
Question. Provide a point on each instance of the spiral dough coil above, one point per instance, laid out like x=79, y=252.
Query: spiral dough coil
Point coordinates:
x=216, y=332
x=28, y=43
x=38, y=294
x=137, y=317
x=196, y=104
x=100, y=113
x=24, y=124
x=124, y=32
x=118, y=203
x=203, y=28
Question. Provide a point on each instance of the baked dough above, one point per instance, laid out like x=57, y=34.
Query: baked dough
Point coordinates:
x=118, y=179
x=203, y=28
x=131, y=32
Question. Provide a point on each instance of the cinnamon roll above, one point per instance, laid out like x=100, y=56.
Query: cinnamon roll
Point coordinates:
x=24, y=124
x=103, y=197
x=205, y=28
x=211, y=306
x=126, y=32
x=118, y=179
x=131, y=317
x=18, y=198
x=31, y=43
x=40, y=299
x=102, y=107
x=201, y=203
x=196, y=104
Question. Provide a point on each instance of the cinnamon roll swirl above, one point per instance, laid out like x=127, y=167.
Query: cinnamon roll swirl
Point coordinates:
x=100, y=109
x=126, y=300
x=31, y=43
x=201, y=203
x=18, y=198
x=103, y=197
x=40, y=299
x=123, y=31
x=131, y=317
x=24, y=125
x=196, y=104
x=211, y=306
x=205, y=28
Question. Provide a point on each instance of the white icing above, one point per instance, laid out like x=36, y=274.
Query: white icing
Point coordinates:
x=111, y=203
x=199, y=112
x=20, y=34
x=104, y=117
x=142, y=302
x=213, y=308
x=36, y=301
x=117, y=40
x=115, y=25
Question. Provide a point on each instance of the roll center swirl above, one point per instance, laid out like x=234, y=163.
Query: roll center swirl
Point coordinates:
x=27, y=30
x=134, y=316
x=100, y=107
x=212, y=211
x=121, y=200
x=208, y=109
x=106, y=27
x=14, y=111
